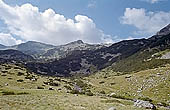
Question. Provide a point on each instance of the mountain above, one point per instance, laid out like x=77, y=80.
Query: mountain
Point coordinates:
x=33, y=48
x=88, y=61
x=14, y=55
x=149, y=56
x=164, y=31
x=82, y=58
x=125, y=56
x=42, y=51
x=2, y=46
x=63, y=50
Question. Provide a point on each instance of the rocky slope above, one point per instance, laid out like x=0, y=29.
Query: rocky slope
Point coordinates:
x=2, y=46
x=121, y=55
x=42, y=51
x=82, y=58
x=63, y=50
x=31, y=48
x=14, y=55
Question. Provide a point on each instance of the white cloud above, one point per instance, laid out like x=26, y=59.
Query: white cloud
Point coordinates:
x=8, y=40
x=146, y=22
x=29, y=23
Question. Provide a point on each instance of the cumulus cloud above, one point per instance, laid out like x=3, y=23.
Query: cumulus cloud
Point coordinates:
x=29, y=23
x=8, y=40
x=146, y=22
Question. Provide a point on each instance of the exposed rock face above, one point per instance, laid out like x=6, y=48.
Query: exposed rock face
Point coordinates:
x=144, y=104
x=63, y=51
x=14, y=55
x=45, y=51
x=82, y=58
x=164, y=31
x=165, y=56
x=31, y=48
x=2, y=46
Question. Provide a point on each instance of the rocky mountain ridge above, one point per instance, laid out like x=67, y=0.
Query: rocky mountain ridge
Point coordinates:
x=43, y=51
x=82, y=58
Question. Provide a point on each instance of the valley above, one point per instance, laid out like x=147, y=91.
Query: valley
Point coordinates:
x=130, y=74
x=20, y=89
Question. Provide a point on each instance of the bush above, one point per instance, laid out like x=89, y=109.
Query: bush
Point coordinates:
x=4, y=71
x=67, y=87
x=75, y=92
x=112, y=84
x=40, y=87
x=102, y=92
x=13, y=93
x=7, y=68
x=8, y=93
x=20, y=74
x=20, y=80
x=22, y=93
x=89, y=93
x=54, y=84
x=101, y=82
x=81, y=84
x=17, y=67
x=145, y=99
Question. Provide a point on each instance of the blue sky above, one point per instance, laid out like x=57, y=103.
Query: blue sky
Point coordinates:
x=117, y=19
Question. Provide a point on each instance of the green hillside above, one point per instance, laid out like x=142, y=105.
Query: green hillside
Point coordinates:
x=20, y=89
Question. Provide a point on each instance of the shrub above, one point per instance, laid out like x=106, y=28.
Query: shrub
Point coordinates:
x=40, y=87
x=20, y=74
x=8, y=93
x=3, y=75
x=17, y=67
x=22, y=93
x=7, y=68
x=145, y=99
x=13, y=93
x=112, y=83
x=4, y=71
x=89, y=93
x=81, y=84
x=67, y=87
x=101, y=82
x=102, y=92
x=54, y=84
x=20, y=80
x=75, y=92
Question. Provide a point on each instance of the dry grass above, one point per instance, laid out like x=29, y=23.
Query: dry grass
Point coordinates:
x=25, y=95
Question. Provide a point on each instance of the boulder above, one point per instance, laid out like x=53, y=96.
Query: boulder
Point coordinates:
x=112, y=108
x=51, y=88
x=112, y=94
x=144, y=104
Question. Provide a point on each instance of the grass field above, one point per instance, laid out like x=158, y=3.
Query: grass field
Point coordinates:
x=21, y=90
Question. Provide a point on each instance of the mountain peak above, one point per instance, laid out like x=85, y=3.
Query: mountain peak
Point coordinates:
x=77, y=42
x=164, y=31
x=2, y=46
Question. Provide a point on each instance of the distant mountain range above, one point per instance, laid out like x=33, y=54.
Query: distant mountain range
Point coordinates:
x=82, y=58
x=45, y=51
